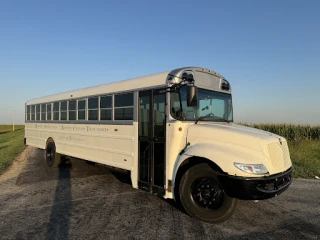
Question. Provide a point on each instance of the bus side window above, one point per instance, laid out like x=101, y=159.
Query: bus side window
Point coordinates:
x=33, y=112
x=49, y=110
x=123, y=106
x=106, y=108
x=63, y=110
x=38, y=112
x=28, y=112
x=93, y=108
x=43, y=112
x=82, y=109
x=72, y=110
x=56, y=111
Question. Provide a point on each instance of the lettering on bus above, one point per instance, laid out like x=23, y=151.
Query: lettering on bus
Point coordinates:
x=50, y=127
x=91, y=129
x=102, y=129
x=42, y=126
x=77, y=128
x=72, y=138
x=66, y=127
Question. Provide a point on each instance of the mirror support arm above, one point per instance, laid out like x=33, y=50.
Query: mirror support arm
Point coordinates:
x=175, y=87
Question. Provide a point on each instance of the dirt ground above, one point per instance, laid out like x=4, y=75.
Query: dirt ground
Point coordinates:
x=81, y=201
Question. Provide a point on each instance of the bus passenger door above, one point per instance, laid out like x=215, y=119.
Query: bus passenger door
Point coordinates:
x=152, y=141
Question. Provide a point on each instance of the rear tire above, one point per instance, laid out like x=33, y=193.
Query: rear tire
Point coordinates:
x=51, y=157
x=203, y=197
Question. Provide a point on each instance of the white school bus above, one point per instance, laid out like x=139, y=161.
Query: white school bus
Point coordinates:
x=173, y=132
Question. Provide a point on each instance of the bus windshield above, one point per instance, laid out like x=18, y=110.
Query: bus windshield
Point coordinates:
x=216, y=106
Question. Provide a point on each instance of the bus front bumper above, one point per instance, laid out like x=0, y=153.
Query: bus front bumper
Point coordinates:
x=256, y=188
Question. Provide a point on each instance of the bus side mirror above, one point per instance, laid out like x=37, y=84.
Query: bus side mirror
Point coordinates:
x=192, y=100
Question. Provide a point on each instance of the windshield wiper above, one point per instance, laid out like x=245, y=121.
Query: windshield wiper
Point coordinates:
x=225, y=120
x=205, y=116
x=211, y=114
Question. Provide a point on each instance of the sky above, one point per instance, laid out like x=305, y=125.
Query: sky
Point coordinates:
x=268, y=50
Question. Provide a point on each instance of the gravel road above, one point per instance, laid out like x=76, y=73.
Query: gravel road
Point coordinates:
x=82, y=201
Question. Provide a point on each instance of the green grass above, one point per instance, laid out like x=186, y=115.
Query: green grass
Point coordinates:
x=11, y=145
x=8, y=128
x=292, y=132
x=305, y=156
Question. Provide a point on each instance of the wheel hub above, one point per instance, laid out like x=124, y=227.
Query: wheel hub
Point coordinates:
x=207, y=193
x=49, y=155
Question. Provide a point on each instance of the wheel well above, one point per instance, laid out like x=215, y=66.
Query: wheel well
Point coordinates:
x=50, y=139
x=188, y=163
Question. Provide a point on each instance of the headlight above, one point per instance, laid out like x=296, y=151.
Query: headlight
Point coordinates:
x=252, y=168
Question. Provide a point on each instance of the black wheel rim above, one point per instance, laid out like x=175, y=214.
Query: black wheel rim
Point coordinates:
x=207, y=193
x=50, y=154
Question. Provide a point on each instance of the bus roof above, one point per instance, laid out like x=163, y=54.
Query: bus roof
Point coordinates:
x=154, y=80
x=158, y=79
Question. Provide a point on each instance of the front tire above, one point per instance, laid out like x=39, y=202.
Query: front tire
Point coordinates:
x=203, y=197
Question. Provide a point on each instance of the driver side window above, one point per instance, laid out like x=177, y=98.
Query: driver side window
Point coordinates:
x=188, y=112
x=175, y=106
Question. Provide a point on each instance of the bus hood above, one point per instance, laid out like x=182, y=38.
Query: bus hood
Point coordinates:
x=232, y=134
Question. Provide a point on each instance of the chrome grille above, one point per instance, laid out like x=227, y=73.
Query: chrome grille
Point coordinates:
x=286, y=154
x=276, y=155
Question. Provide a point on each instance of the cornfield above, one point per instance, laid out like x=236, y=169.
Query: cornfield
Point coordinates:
x=293, y=132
